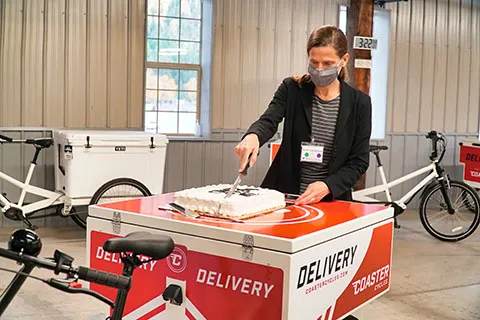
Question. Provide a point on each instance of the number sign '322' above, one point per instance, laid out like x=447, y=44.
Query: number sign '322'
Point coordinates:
x=365, y=43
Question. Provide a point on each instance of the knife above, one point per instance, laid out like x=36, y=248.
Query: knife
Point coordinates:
x=182, y=210
x=236, y=183
x=241, y=175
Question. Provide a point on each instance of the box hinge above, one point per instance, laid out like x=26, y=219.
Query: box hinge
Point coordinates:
x=247, y=247
x=88, y=145
x=116, y=222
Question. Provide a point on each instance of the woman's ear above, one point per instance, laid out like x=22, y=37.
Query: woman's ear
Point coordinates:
x=345, y=59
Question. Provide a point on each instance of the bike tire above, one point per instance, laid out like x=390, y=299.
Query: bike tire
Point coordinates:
x=473, y=207
x=108, y=186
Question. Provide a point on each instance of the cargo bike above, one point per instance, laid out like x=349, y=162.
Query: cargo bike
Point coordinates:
x=90, y=168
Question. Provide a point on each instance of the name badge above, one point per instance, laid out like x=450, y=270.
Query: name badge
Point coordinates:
x=312, y=153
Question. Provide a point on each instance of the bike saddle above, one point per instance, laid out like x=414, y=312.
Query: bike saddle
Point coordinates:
x=375, y=148
x=157, y=247
x=41, y=142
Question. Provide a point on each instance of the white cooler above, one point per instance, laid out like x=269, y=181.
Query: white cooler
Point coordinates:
x=322, y=261
x=85, y=160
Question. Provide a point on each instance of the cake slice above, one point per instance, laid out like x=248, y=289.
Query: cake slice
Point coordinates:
x=245, y=202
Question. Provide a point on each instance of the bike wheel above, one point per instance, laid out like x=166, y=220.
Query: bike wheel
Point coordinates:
x=79, y=216
x=116, y=190
x=457, y=226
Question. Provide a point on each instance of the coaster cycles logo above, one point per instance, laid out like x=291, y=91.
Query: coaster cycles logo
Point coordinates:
x=177, y=260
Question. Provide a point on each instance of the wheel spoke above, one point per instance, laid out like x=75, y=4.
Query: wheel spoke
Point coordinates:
x=445, y=216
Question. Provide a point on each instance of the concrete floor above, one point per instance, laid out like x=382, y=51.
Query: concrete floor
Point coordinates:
x=431, y=279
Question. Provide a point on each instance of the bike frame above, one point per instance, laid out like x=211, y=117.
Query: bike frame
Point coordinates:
x=362, y=195
x=52, y=198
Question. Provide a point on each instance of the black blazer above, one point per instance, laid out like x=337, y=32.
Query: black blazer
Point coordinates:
x=350, y=157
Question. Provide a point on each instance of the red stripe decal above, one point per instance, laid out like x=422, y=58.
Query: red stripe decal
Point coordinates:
x=189, y=315
x=327, y=314
x=155, y=311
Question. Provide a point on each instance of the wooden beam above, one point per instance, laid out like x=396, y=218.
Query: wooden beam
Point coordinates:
x=359, y=23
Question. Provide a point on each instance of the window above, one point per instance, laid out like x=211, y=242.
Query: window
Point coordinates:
x=173, y=65
x=379, y=70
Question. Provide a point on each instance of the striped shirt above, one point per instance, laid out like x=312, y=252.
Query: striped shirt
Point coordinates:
x=324, y=122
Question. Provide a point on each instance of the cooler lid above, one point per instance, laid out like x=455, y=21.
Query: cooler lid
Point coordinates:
x=79, y=137
x=289, y=230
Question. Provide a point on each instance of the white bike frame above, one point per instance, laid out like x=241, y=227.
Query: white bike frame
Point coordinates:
x=52, y=198
x=362, y=195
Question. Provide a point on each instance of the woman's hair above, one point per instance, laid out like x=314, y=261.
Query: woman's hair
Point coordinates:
x=324, y=36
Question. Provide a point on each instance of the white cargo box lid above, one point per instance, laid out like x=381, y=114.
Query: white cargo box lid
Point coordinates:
x=107, y=137
x=289, y=231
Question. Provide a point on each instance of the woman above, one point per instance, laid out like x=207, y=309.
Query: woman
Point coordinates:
x=326, y=133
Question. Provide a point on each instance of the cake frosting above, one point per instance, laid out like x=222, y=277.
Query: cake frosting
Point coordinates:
x=246, y=201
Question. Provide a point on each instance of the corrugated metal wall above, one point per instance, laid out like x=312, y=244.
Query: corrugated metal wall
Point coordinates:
x=72, y=63
x=256, y=45
x=434, y=76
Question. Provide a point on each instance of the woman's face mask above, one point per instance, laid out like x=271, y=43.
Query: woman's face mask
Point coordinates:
x=323, y=77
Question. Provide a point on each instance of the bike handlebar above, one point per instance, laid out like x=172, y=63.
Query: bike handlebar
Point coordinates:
x=100, y=277
x=105, y=278
x=435, y=137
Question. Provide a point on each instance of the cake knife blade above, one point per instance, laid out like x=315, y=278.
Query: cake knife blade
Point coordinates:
x=186, y=212
x=239, y=179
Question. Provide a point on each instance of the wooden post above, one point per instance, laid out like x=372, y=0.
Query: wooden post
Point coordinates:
x=359, y=23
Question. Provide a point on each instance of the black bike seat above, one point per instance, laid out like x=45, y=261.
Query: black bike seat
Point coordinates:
x=41, y=142
x=378, y=148
x=157, y=247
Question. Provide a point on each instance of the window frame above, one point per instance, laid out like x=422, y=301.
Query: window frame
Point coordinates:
x=174, y=66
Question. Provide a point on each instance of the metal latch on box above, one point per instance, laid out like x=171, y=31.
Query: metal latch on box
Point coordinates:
x=247, y=247
x=152, y=145
x=116, y=222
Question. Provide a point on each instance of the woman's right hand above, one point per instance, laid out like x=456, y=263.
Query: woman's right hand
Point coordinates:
x=248, y=146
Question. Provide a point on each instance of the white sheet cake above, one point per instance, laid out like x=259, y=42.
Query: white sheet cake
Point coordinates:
x=246, y=201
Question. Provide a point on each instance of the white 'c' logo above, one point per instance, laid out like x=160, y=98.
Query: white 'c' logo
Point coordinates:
x=177, y=260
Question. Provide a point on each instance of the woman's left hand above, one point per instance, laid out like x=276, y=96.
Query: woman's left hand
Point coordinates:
x=315, y=192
